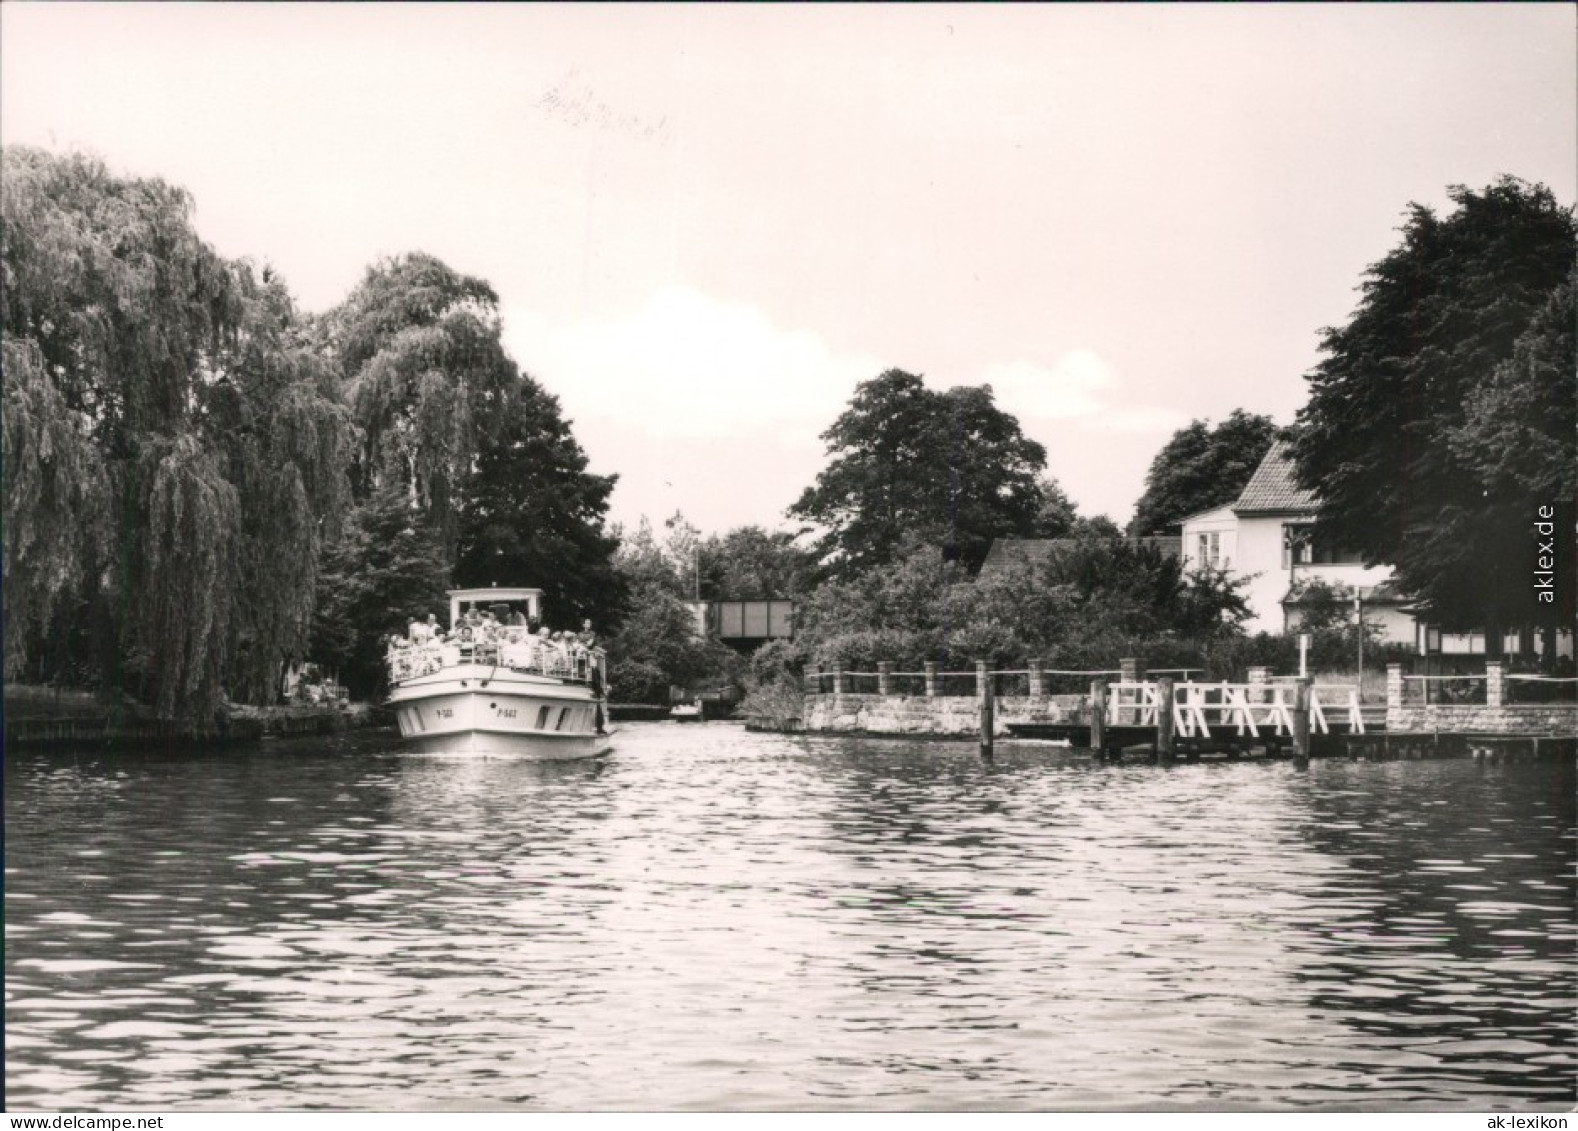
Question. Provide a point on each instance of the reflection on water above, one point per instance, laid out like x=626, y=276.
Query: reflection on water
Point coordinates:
x=713, y=919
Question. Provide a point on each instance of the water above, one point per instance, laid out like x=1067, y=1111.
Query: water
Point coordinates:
x=714, y=919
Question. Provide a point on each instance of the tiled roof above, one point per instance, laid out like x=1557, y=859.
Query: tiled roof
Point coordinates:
x=1272, y=489
x=1005, y=551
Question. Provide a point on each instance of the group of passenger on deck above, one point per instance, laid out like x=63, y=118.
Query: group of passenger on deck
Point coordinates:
x=499, y=636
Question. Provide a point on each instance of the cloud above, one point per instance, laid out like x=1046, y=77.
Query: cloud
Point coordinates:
x=1143, y=418
x=1069, y=389
x=689, y=365
x=710, y=407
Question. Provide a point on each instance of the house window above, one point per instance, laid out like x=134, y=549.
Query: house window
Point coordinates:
x=1297, y=544
x=1209, y=551
x=1300, y=546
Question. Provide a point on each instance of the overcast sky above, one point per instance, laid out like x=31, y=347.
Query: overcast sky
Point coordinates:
x=706, y=224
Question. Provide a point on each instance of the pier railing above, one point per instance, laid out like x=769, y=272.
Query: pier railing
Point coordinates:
x=1192, y=708
x=1111, y=705
x=1200, y=709
x=932, y=681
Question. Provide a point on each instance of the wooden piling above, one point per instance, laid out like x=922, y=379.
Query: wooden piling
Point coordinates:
x=885, y=677
x=932, y=690
x=1098, y=716
x=988, y=721
x=1164, y=716
x=1301, y=717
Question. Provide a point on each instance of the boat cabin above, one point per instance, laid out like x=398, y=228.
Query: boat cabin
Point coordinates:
x=528, y=601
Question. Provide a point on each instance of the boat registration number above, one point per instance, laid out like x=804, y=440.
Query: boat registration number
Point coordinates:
x=445, y=712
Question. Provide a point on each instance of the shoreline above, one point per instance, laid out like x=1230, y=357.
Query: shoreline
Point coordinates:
x=46, y=717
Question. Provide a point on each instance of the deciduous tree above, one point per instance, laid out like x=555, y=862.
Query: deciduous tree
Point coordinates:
x=1420, y=435
x=950, y=467
x=1199, y=468
x=386, y=570
x=531, y=514
x=170, y=453
x=427, y=375
x=660, y=644
x=1056, y=514
x=749, y=563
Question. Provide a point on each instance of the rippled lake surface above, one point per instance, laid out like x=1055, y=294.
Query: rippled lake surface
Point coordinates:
x=714, y=919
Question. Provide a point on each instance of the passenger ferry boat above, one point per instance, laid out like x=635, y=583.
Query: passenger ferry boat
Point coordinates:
x=687, y=712
x=495, y=689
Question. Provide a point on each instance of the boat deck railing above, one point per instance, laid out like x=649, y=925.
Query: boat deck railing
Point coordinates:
x=511, y=647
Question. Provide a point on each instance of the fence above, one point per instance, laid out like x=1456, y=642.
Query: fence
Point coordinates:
x=934, y=682
x=1530, y=689
x=1495, y=702
x=1427, y=690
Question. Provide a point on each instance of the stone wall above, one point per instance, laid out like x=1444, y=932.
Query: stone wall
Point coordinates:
x=1494, y=716
x=1556, y=720
x=941, y=715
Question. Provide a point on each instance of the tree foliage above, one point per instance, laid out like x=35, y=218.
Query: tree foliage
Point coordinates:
x=56, y=497
x=949, y=467
x=1088, y=605
x=531, y=514
x=1424, y=435
x=155, y=404
x=1201, y=467
x=181, y=446
x=749, y=563
x=426, y=373
x=285, y=442
x=384, y=571
x=1056, y=514
x=659, y=644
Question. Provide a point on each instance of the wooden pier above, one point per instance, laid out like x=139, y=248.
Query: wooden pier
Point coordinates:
x=1172, y=718
x=1170, y=715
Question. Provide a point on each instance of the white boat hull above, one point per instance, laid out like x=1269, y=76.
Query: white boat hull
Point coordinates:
x=482, y=711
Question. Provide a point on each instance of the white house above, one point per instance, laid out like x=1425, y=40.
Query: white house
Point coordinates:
x=1266, y=535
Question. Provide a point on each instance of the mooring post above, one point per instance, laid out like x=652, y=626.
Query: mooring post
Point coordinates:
x=884, y=677
x=840, y=681
x=1495, y=684
x=988, y=709
x=1130, y=671
x=1301, y=717
x=1164, y=716
x=1394, y=692
x=1038, y=680
x=1098, y=716
x=930, y=668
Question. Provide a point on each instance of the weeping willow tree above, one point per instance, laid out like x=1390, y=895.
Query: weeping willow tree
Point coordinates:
x=428, y=379
x=287, y=442
x=56, y=497
x=172, y=453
